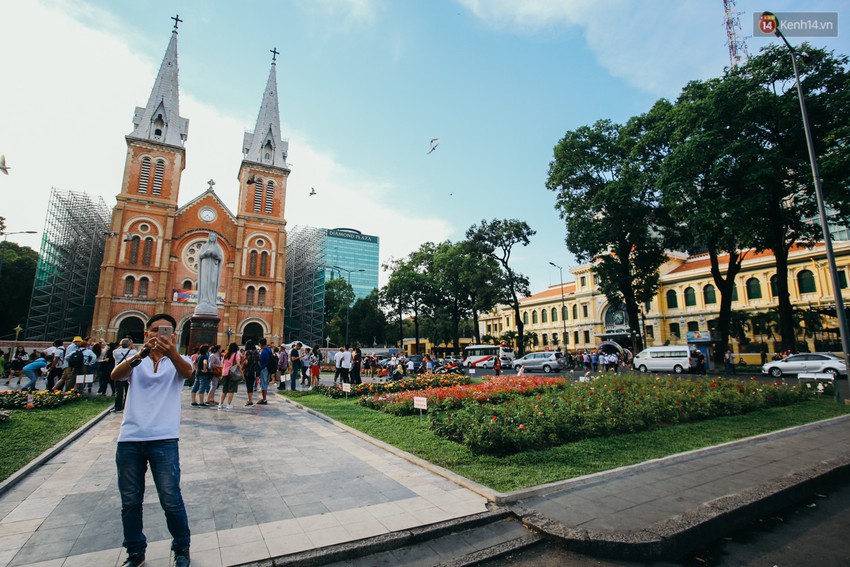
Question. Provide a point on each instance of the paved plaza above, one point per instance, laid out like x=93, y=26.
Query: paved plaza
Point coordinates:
x=258, y=482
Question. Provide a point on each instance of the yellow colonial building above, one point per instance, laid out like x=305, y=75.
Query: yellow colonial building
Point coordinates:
x=578, y=317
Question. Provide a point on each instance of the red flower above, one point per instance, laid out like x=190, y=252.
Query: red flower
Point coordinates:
x=495, y=417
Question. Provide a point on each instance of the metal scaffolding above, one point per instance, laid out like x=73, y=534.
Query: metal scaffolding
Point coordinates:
x=68, y=266
x=305, y=285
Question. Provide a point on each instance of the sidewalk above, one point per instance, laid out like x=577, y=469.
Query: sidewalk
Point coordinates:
x=665, y=507
x=258, y=482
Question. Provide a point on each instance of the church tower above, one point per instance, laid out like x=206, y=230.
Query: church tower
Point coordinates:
x=134, y=273
x=261, y=237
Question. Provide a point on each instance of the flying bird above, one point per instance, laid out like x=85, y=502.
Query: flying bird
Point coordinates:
x=3, y=167
x=434, y=143
x=312, y=192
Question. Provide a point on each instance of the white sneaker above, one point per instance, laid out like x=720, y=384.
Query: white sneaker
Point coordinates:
x=228, y=407
x=221, y=406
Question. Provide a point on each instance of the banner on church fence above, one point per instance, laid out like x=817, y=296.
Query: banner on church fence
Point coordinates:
x=185, y=296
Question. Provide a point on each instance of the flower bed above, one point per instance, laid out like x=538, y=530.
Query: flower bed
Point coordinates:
x=420, y=382
x=16, y=399
x=495, y=390
x=606, y=406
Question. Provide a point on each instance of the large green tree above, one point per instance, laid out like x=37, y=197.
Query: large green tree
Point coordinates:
x=17, y=275
x=368, y=322
x=338, y=297
x=496, y=240
x=410, y=289
x=604, y=177
x=772, y=143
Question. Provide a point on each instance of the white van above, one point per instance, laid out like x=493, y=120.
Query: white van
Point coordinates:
x=676, y=359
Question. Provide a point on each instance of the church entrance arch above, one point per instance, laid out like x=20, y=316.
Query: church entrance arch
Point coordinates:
x=253, y=332
x=132, y=327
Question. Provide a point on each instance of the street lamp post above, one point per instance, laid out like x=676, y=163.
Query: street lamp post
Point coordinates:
x=563, y=304
x=827, y=238
x=6, y=236
x=229, y=333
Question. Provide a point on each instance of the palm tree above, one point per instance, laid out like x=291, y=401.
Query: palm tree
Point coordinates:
x=509, y=337
x=740, y=324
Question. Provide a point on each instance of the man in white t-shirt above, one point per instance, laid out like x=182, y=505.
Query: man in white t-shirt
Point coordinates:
x=345, y=364
x=149, y=438
x=338, y=364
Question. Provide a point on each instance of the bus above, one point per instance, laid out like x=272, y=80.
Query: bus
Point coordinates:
x=484, y=356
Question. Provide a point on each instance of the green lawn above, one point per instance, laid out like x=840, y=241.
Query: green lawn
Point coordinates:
x=31, y=432
x=566, y=461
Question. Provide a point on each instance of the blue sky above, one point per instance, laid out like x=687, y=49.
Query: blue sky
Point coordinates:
x=364, y=85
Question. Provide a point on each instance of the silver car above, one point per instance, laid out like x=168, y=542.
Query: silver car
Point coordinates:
x=807, y=362
x=545, y=361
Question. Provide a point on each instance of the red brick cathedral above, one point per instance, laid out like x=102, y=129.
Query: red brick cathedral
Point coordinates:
x=150, y=261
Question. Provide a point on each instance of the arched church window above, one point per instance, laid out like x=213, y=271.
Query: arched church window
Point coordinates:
x=249, y=295
x=158, y=173
x=187, y=284
x=129, y=286
x=258, y=195
x=264, y=264
x=158, y=123
x=143, y=287
x=269, y=197
x=261, y=296
x=252, y=263
x=147, y=252
x=753, y=289
x=144, y=174
x=134, y=250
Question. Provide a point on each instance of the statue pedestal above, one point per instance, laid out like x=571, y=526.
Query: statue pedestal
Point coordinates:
x=203, y=329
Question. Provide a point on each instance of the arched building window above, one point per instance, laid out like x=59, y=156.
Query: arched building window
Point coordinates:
x=564, y=313
x=134, y=250
x=554, y=315
x=690, y=297
x=544, y=318
x=144, y=174
x=158, y=173
x=143, y=287
x=806, y=282
x=753, y=289
x=709, y=295
x=672, y=299
x=269, y=204
x=147, y=252
x=187, y=284
x=774, y=289
x=575, y=312
x=534, y=317
x=249, y=295
x=252, y=263
x=261, y=296
x=129, y=286
x=264, y=264
x=525, y=318
x=258, y=195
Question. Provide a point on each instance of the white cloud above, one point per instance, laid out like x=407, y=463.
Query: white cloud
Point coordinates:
x=655, y=48
x=67, y=103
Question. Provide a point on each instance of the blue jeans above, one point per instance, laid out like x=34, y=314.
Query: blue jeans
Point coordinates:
x=132, y=459
x=33, y=378
x=293, y=377
x=202, y=384
x=264, y=379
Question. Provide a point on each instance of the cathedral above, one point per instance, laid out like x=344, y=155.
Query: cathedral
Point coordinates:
x=150, y=261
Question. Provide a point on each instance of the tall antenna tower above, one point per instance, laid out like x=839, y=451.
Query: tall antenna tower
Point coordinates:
x=734, y=38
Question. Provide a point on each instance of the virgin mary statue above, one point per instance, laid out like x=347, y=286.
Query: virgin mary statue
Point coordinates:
x=210, y=258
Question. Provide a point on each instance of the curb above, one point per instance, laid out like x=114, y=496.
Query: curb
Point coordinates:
x=23, y=472
x=377, y=544
x=675, y=536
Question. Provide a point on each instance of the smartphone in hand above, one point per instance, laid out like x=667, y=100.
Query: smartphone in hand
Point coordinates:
x=165, y=331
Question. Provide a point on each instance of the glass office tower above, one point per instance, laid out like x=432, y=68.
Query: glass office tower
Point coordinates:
x=350, y=252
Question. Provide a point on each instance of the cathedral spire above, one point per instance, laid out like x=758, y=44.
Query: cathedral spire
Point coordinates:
x=160, y=120
x=264, y=145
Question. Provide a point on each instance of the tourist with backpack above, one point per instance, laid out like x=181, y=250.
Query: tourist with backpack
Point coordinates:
x=252, y=370
x=268, y=366
x=231, y=375
x=73, y=365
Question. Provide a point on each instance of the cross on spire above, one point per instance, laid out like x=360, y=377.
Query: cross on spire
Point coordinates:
x=211, y=183
x=274, y=53
x=177, y=20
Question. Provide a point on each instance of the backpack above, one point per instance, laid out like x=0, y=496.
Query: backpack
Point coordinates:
x=75, y=359
x=271, y=365
x=252, y=363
